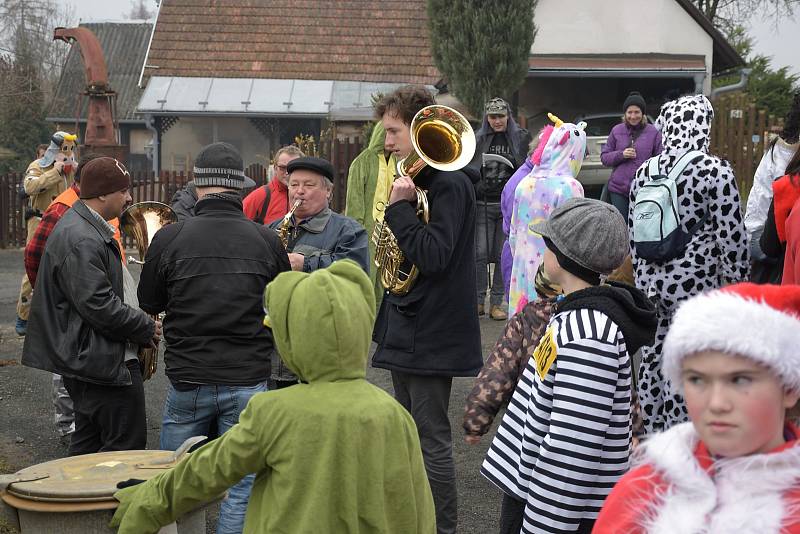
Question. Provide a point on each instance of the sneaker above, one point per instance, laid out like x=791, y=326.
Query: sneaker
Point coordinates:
x=481, y=310
x=498, y=313
x=21, y=326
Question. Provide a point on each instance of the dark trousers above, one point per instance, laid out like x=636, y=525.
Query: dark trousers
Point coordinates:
x=620, y=202
x=427, y=399
x=512, y=513
x=108, y=418
x=489, y=239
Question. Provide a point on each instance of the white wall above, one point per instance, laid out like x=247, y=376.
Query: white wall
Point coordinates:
x=620, y=27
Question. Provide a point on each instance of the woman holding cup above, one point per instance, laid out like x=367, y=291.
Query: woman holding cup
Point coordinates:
x=630, y=143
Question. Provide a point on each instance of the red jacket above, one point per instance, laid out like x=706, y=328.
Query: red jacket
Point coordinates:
x=791, y=262
x=253, y=203
x=785, y=194
x=680, y=489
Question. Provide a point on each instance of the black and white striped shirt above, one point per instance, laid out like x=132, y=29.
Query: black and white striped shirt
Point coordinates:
x=565, y=438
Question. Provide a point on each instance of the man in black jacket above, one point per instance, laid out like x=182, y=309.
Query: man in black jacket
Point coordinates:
x=498, y=137
x=208, y=273
x=431, y=334
x=80, y=322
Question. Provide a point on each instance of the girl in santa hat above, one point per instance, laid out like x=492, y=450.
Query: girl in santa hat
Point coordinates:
x=736, y=466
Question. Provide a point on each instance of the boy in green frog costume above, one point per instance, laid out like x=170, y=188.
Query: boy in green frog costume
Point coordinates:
x=331, y=454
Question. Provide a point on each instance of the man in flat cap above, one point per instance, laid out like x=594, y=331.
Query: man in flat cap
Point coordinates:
x=208, y=272
x=316, y=236
x=82, y=326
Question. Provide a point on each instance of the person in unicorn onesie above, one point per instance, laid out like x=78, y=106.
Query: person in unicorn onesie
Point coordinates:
x=556, y=162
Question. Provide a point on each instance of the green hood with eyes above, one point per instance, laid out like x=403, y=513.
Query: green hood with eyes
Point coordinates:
x=322, y=321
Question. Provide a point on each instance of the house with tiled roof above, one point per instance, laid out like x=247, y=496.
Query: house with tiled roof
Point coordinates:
x=124, y=44
x=258, y=72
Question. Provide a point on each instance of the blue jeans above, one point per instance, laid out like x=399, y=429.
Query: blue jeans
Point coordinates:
x=191, y=413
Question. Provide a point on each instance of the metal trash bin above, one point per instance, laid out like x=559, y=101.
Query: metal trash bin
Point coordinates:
x=74, y=495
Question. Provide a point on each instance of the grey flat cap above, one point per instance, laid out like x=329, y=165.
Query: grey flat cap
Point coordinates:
x=591, y=233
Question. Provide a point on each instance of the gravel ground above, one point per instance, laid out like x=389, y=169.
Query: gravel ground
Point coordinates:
x=27, y=433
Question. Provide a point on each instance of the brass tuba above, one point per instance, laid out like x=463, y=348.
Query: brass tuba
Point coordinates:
x=443, y=139
x=141, y=221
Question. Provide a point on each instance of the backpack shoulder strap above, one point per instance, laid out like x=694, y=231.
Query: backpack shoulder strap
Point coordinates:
x=652, y=167
x=262, y=212
x=684, y=162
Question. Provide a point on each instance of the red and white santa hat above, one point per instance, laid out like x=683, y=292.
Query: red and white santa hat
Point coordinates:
x=758, y=322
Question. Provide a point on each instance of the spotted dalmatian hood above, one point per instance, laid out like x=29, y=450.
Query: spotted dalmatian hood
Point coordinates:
x=685, y=124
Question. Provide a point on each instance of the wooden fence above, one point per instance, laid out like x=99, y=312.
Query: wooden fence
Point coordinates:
x=161, y=187
x=740, y=134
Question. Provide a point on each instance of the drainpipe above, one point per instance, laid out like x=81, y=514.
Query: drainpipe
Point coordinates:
x=149, y=43
x=150, y=121
x=741, y=84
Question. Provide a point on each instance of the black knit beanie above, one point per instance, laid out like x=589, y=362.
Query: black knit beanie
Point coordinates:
x=634, y=99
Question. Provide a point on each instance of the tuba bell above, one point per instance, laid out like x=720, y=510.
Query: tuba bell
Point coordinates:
x=443, y=139
x=141, y=221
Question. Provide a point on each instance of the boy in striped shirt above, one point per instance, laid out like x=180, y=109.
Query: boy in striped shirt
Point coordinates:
x=566, y=435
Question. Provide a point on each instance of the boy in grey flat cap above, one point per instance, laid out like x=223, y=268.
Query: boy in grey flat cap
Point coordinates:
x=566, y=437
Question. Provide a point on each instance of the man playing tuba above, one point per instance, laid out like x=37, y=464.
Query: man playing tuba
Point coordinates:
x=430, y=334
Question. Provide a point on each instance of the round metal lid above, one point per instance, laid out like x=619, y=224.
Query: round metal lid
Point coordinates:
x=88, y=478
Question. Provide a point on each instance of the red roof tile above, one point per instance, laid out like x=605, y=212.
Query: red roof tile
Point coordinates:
x=359, y=40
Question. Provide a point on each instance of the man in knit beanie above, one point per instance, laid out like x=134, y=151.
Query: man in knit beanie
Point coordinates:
x=331, y=454
x=81, y=324
x=216, y=358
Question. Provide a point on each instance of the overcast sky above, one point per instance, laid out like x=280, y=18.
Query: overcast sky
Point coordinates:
x=771, y=39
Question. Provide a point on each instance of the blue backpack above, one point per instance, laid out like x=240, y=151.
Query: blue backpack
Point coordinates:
x=658, y=234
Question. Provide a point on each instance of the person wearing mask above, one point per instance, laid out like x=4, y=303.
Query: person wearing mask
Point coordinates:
x=46, y=177
x=630, y=143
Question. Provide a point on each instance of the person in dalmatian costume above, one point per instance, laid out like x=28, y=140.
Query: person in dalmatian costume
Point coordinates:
x=717, y=254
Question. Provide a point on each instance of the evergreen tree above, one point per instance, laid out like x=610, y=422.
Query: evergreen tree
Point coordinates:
x=770, y=89
x=481, y=47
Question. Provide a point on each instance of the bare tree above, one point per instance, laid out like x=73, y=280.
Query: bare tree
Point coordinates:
x=26, y=33
x=139, y=10
x=725, y=14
